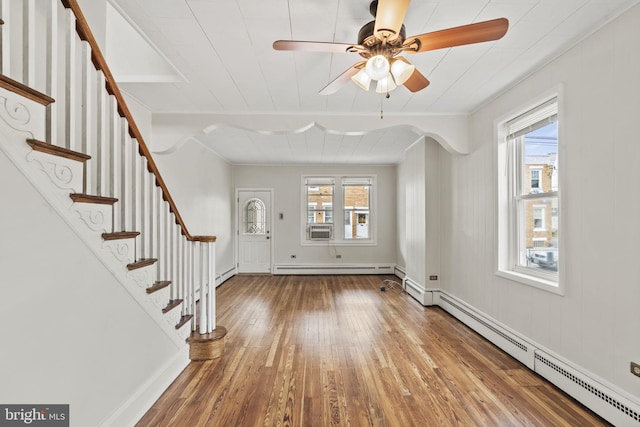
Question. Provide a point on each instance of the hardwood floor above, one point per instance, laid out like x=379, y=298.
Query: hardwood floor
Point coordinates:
x=337, y=351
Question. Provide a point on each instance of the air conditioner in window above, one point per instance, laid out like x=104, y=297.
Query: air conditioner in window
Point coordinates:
x=320, y=231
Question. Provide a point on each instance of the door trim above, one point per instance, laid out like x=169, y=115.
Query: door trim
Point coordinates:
x=236, y=236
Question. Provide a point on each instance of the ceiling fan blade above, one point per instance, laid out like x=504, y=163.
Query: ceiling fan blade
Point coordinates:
x=458, y=36
x=342, y=79
x=416, y=82
x=389, y=18
x=306, y=46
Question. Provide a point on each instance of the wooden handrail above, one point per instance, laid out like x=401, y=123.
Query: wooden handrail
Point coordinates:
x=84, y=32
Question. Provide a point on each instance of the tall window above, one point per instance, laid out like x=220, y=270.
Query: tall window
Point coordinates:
x=322, y=206
x=529, y=226
x=356, y=207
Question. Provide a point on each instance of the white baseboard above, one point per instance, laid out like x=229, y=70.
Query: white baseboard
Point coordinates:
x=606, y=400
x=142, y=399
x=225, y=275
x=423, y=295
x=282, y=269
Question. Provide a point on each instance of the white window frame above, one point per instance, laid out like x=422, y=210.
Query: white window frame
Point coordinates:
x=338, y=211
x=509, y=180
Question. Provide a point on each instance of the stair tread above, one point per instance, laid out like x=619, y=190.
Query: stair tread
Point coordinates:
x=55, y=150
x=184, y=320
x=24, y=90
x=89, y=198
x=172, y=304
x=119, y=235
x=158, y=285
x=141, y=263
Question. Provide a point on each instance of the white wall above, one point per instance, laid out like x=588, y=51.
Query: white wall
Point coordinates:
x=71, y=334
x=419, y=212
x=286, y=183
x=595, y=325
x=200, y=183
x=95, y=11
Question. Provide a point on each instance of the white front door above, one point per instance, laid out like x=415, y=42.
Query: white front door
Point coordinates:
x=254, y=231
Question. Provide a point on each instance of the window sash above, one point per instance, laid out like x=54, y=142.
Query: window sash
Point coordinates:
x=517, y=182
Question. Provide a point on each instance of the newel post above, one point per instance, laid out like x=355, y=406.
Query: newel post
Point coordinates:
x=207, y=342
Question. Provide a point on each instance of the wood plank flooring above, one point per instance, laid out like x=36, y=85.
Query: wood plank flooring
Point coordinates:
x=337, y=351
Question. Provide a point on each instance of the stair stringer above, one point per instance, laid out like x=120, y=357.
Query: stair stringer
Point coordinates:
x=55, y=178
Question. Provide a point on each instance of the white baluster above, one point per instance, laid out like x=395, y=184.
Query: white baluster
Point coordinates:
x=167, y=244
x=51, y=85
x=126, y=169
x=101, y=136
x=152, y=218
x=138, y=197
x=194, y=278
x=176, y=262
x=135, y=185
x=190, y=283
x=114, y=148
x=29, y=43
x=211, y=314
x=183, y=272
x=203, y=290
x=161, y=237
x=145, y=222
x=71, y=77
x=88, y=123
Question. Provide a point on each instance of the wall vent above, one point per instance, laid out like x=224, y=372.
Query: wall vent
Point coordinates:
x=320, y=231
x=593, y=390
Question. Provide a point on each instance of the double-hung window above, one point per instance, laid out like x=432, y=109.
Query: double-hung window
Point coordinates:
x=529, y=189
x=334, y=200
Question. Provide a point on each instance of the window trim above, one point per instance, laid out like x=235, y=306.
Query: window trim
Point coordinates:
x=338, y=209
x=505, y=248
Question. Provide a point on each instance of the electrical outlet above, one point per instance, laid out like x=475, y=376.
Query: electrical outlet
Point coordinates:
x=293, y=256
x=338, y=256
x=635, y=369
x=433, y=277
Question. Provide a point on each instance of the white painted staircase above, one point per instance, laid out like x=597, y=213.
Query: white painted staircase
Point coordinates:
x=81, y=149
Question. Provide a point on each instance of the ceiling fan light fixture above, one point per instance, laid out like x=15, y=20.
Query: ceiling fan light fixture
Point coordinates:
x=385, y=84
x=362, y=79
x=401, y=71
x=377, y=67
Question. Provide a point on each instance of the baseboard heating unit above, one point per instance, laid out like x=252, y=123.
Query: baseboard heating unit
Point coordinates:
x=283, y=269
x=605, y=400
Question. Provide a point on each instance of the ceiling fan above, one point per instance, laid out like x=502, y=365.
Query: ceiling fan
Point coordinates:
x=383, y=39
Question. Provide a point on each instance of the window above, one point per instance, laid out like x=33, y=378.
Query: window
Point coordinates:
x=534, y=174
x=529, y=188
x=254, y=217
x=538, y=217
x=320, y=201
x=356, y=207
x=355, y=211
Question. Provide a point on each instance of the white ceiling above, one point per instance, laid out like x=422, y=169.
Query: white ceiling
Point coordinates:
x=219, y=61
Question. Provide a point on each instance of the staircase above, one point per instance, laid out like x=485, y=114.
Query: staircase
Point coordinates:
x=65, y=125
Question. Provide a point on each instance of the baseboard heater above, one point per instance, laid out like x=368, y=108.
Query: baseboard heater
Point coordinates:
x=602, y=399
x=224, y=276
x=333, y=269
